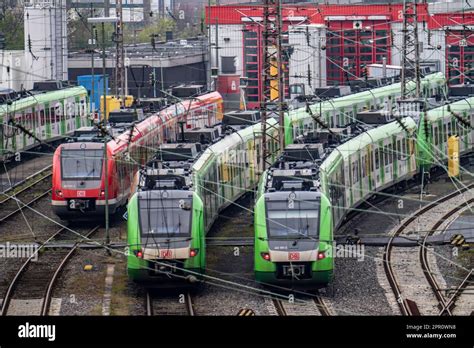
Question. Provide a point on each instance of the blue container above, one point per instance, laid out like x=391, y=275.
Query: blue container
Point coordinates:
x=87, y=80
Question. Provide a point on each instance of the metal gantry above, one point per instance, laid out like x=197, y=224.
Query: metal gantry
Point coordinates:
x=273, y=89
x=120, y=54
x=410, y=50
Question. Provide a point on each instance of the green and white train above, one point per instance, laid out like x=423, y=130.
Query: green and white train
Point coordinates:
x=179, y=199
x=335, y=181
x=215, y=178
x=49, y=116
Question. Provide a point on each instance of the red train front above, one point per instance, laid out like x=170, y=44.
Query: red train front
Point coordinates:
x=78, y=167
x=79, y=184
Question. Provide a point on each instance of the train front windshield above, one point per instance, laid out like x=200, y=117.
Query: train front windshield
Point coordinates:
x=81, y=164
x=297, y=219
x=164, y=217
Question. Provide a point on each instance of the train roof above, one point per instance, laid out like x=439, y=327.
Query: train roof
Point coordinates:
x=445, y=110
x=60, y=94
x=149, y=124
x=368, y=137
x=348, y=101
x=229, y=141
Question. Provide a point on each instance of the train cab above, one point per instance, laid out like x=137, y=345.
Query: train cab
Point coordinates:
x=291, y=221
x=164, y=217
x=78, y=181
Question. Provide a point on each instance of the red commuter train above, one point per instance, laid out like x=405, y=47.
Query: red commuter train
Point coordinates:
x=78, y=187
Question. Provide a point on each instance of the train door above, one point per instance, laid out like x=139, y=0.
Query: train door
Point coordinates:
x=388, y=150
x=75, y=119
x=67, y=115
x=400, y=156
x=61, y=117
x=470, y=132
x=232, y=170
x=355, y=187
x=19, y=135
x=251, y=161
x=347, y=183
x=337, y=192
x=364, y=176
x=457, y=129
x=440, y=148
x=411, y=154
x=27, y=123
x=380, y=164
x=214, y=181
x=225, y=175
x=333, y=119
x=53, y=119
x=41, y=114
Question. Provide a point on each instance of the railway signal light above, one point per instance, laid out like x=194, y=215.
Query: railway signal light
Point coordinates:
x=152, y=79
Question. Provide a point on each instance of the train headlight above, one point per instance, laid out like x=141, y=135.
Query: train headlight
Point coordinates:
x=59, y=193
x=321, y=255
x=102, y=193
x=193, y=252
x=266, y=256
x=139, y=253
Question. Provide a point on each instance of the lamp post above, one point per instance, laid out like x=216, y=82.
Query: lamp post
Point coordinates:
x=102, y=21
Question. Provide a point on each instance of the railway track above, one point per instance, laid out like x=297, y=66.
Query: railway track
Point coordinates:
x=36, y=278
x=180, y=305
x=423, y=253
x=407, y=306
x=464, y=286
x=314, y=306
x=29, y=191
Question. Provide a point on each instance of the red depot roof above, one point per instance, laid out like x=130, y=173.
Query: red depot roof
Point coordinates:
x=233, y=14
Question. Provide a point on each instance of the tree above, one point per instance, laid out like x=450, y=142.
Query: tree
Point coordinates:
x=159, y=27
x=11, y=25
x=79, y=31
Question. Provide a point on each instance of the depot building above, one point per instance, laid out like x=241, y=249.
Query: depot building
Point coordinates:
x=333, y=44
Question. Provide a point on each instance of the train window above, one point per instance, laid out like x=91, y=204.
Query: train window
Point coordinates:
x=377, y=159
x=398, y=153
x=355, y=172
x=52, y=115
x=364, y=166
x=440, y=135
x=328, y=118
x=390, y=153
x=341, y=114
x=81, y=164
x=435, y=135
x=370, y=163
x=42, y=117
